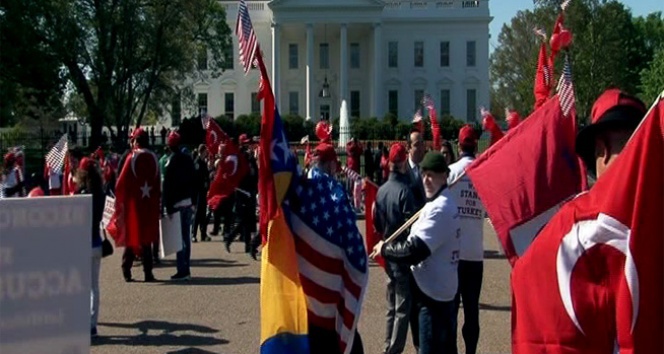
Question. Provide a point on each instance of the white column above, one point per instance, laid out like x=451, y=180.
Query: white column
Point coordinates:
x=310, y=70
x=343, y=65
x=276, y=52
x=378, y=107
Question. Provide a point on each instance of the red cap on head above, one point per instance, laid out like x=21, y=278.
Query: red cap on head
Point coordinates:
x=397, y=153
x=244, y=139
x=467, y=135
x=86, y=163
x=325, y=152
x=613, y=98
x=138, y=132
x=10, y=157
x=173, y=139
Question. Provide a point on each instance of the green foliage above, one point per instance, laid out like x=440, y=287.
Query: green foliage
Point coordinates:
x=652, y=78
x=123, y=57
x=610, y=48
x=249, y=124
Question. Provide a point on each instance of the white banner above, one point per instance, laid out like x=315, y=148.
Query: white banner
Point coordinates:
x=109, y=210
x=45, y=259
x=170, y=235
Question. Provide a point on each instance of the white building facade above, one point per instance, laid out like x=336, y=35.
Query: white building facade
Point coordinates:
x=378, y=56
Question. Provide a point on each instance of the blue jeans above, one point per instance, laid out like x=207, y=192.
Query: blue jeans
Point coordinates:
x=184, y=255
x=436, y=320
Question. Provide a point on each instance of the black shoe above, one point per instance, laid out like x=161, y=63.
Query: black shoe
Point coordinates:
x=127, y=276
x=227, y=243
x=214, y=233
x=180, y=277
x=194, y=240
x=149, y=278
x=205, y=238
x=254, y=253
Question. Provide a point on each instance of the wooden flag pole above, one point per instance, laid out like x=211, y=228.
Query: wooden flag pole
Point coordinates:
x=414, y=218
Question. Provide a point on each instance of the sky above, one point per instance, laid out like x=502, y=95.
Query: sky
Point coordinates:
x=503, y=11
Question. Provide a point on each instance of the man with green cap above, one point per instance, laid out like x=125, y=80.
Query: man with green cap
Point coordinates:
x=432, y=251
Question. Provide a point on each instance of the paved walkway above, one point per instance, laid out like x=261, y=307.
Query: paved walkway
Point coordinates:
x=218, y=310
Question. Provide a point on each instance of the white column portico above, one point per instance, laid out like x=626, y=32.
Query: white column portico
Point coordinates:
x=343, y=64
x=276, y=34
x=377, y=108
x=309, y=74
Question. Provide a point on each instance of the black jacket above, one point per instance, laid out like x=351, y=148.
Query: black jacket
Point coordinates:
x=410, y=251
x=416, y=187
x=178, y=180
x=394, y=206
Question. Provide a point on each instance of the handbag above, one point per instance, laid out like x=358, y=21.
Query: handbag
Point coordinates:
x=106, y=246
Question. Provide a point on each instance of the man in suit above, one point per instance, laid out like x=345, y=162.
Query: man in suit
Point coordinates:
x=416, y=152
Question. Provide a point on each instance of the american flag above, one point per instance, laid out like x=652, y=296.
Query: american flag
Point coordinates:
x=418, y=116
x=351, y=174
x=246, y=37
x=55, y=159
x=428, y=102
x=331, y=255
x=565, y=89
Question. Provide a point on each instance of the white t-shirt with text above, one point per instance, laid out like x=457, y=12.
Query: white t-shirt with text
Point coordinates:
x=471, y=211
x=438, y=226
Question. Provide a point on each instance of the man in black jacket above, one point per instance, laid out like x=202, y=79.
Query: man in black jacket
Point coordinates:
x=201, y=185
x=394, y=206
x=432, y=249
x=178, y=196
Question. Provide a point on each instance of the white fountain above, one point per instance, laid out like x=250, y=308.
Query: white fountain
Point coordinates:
x=344, y=125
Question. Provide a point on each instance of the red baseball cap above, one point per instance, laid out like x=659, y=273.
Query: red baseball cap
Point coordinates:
x=467, y=135
x=244, y=139
x=397, y=153
x=138, y=132
x=173, y=139
x=325, y=152
x=613, y=110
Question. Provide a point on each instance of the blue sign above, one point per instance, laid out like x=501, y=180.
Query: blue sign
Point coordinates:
x=45, y=259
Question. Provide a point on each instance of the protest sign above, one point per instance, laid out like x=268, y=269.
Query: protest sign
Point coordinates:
x=45, y=258
x=170, y=235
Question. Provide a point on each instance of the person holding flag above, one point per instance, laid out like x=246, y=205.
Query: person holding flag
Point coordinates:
x=579, y=287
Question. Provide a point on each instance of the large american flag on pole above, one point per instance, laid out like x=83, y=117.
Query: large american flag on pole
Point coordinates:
x=566, y=89
x=332, y=258
x=246, y=37
x=55, y=159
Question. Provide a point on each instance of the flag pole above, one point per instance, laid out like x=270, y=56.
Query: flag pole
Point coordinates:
x=415, y=216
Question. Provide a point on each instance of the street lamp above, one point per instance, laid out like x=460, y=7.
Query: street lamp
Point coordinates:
x=325, y=91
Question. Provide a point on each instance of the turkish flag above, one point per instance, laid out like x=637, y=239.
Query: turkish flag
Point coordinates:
x=542, y=78
x=233, y=167
x=214, y=136
x=137, y=201
x=489, y=124
x=372, y=237
x=593, y=276
x=523, y=178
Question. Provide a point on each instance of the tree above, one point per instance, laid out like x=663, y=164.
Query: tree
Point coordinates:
x=606, y=51
x=652, y=78
x=127, y=57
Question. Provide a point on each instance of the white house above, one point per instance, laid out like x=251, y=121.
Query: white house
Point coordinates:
x=379, y=55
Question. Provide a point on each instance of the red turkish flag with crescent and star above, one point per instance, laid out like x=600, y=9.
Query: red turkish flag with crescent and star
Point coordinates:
x=137, y=201
x=233, y=167
x=591, y=282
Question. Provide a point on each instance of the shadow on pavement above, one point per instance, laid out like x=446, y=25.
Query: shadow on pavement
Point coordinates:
x=191, y=351
x=490, y=254
x=195, y=280
x=165, y=336
x=494, y=307
x=205, y=263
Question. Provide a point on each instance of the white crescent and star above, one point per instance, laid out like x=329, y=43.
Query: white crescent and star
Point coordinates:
x=280, y=143
x=233, y=159
x=145, y=190
x=584, y=235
